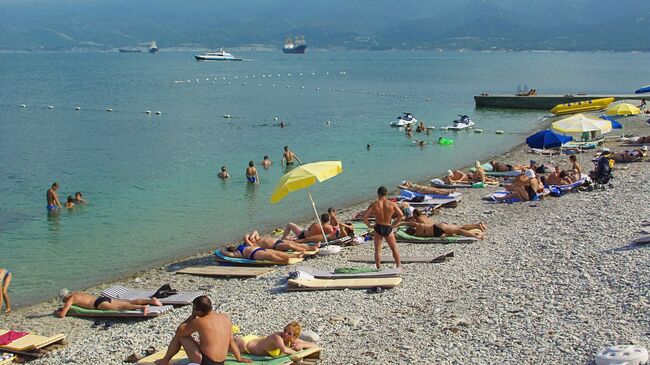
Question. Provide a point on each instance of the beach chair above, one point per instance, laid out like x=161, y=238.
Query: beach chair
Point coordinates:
x=32, y=344
x=304, y=356
x=153, y=311
x=124, y=293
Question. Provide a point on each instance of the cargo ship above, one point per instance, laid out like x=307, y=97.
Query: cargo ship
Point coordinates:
x=294, y=46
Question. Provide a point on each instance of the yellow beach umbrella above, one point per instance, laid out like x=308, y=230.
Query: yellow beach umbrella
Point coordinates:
x=304, y=176
x=580, y=123
x=623, y=109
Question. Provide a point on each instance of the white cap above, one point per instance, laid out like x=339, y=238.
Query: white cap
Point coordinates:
x=529, y=173
x=605, y=149
x=645, y=148
x=63, y=293
x=449, y=173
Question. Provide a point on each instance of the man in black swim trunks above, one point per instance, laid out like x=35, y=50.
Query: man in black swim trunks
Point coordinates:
x=215, y=336
x=288, y=157
x=384, y=210
x=439, y=229
x=88, y=301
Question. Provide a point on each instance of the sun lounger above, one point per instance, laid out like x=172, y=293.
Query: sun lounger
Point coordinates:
x=226, y=271
x=567, y=187
x=154, y=311
x=409, y=194
x=323, y=274
x=402, y=236
x=181, y=358
x=238, y=261
x=30, y=342
x=403, y=259
x=123, y=293
x=306, y=283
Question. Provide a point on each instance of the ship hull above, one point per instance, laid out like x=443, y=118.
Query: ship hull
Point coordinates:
x=295, y=50
x=153, y=50
x=201, y=58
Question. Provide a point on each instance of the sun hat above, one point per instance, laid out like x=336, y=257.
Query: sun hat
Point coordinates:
x=63, y=293
x=530, y=173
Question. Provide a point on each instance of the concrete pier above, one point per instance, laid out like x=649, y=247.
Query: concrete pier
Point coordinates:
x=543, y=101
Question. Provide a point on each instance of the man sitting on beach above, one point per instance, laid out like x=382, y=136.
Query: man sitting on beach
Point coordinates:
x=454, y=177
x=88, y=301
x=313, y=233
x=215, y=337
x=383, y=210
x=444, y=230
x=477, y=174
x=422, y=189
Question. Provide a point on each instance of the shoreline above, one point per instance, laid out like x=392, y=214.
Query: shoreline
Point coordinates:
x=499, y=274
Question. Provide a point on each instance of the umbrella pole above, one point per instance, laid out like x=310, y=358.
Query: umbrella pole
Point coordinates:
x=317, y=217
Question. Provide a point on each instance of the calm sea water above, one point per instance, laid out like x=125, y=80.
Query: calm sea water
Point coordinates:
x=151, y=180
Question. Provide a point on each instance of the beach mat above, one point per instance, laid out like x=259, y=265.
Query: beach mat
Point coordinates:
x=8, y=361
x=237, y=261
x=324, y=274
x=181, y=358
x=513, y=173
x=153, y=312
x=226, y=271
x=403, y=259
x=643, y=240
x=305, y=284
x=30, y=342
x=124, y=293
x=402, y=236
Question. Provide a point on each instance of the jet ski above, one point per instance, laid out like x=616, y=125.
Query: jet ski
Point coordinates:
x=461, y=123
x=404, y=120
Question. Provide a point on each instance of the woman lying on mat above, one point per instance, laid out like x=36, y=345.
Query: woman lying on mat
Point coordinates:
x=244, y=251
x=444, y=229
x=268, y=242
x=423, y=189
x=277, y=344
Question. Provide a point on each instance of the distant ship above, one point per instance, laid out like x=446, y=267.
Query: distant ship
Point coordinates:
x=129, y=50
x=295, y=46
x=153, y=47
x=217, y=56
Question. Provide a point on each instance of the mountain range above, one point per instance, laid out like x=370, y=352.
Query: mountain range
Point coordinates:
x=63, y=25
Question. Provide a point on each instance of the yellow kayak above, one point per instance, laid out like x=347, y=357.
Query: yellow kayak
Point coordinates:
x=582, y=106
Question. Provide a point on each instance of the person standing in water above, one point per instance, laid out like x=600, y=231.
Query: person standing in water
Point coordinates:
x=288, y=157
x=266, y=162
x=53, y=198
x=251, y=173
x=224, y=173
x=383, y=210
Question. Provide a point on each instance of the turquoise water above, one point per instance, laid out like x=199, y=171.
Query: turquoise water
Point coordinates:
x=151, y=179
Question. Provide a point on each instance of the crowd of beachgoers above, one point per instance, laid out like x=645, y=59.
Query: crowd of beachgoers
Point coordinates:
x=526, y=258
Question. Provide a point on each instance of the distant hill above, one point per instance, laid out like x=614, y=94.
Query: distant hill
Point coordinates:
x=60, y=25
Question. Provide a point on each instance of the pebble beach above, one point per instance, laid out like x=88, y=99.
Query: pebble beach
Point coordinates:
x=553, y=282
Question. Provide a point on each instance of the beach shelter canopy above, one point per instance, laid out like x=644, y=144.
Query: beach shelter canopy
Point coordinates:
x=615, y=123
x=623, y=109
x=547, y=139
x=580, y=123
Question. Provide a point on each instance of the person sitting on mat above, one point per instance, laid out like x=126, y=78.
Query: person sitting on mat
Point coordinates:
x=312, y=233
x=340, y=229
x=88, y=301
x=244, y=251
x=423, y=189
x=525, y=187
x=557, y=177
x=444, y=229
x=254, y=239
x=478, y=175
x=5, y=280
x=575, y=168
x=276, y=344
x=215, y=337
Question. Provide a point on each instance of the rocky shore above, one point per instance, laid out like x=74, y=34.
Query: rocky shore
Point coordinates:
x=553, y=282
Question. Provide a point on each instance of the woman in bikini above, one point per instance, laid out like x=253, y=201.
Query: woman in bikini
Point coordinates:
x=268, y=242
x=244, y=251
x=441, y=229
x=277, y=344
x=340, y=229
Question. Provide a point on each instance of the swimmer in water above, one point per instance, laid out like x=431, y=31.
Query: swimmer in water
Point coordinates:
x=288, y=157
x=224, y=173
x=266, y=162
x=251, y=174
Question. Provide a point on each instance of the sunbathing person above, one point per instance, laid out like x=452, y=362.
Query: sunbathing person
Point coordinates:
x=423, y=189
x=641, y=140
x=420, y=217
x=276, y=344
x=444, y=230
x=501, y=167
x=557, y=177
x=88, y=301
x=454, y=177
x=525, y=187
x=244, y=251
x=340, y=229
x=575, y=168
x=478, y=175
x=630, y=155
x=268, y=242
x=313, y=233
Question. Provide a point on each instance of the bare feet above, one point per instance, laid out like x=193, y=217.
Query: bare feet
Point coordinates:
x=161, y=362
x=156, y=302
x=145, y=310
x=482, y=226
x=8, y=310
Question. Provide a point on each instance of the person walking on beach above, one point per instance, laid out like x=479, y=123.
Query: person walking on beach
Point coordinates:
x=383, y=211
x=215, y=336
x=288, y=157
x=5, y=280
x=251, y=173
x=53, y=198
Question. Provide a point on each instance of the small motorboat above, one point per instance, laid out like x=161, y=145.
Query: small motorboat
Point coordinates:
x=404, y=120
x=461, y=123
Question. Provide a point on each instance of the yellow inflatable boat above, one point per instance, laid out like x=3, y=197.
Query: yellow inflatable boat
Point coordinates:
x=582, y=106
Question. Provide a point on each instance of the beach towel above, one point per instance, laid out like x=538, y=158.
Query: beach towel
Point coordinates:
x=226, y=271
x=11, y=336
x=499, y=194
x=512, y=173
x=30, y=342
x=239, y=261
x=402, y=236
x=182, y=359
x=347, y=273
x=409, y=194
x=305, y=282
x=154, y=311
x=124, y=293
x=558, y=190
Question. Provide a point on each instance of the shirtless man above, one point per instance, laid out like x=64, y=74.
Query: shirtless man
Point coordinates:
x=224, y=173
x=557, y=177
x=53, y=197
x=407, y=185
x=383, y=210
x=454, y=177
x=251, y=173
x=288, y=157
x=215, y=337
x=444, y=229
x=88, y=301
x=266, y=162
x=575, y=168
x=420, y=217
x=313, y=233
x=268, y=242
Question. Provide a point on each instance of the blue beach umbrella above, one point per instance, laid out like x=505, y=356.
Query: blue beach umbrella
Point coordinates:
x=547, y=139
x=615, y=124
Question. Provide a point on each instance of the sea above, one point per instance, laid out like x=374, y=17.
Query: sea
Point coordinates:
x=151, y=180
